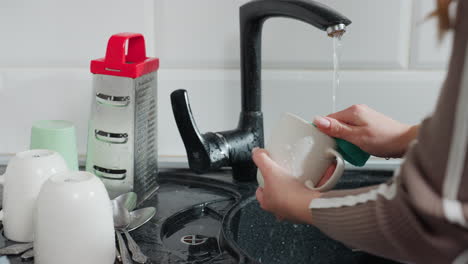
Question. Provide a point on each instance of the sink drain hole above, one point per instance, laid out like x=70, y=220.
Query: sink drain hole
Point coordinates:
x=194, y=240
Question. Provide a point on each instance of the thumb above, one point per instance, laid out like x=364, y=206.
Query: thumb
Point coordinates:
x=264, y=163
x=334, y=128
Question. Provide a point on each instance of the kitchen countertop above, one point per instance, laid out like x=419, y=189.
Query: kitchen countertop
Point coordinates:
x=155, y=238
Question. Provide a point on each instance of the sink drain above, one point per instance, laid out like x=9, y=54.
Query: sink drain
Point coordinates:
x=194, y=240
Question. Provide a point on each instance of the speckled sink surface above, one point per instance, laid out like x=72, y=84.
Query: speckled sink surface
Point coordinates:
x=190, y=212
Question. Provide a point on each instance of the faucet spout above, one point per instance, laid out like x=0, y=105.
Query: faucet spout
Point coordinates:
x=213, y=150
x=252, y=18
x=336, y=30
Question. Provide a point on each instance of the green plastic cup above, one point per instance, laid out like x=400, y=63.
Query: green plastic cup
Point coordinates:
x=57, y=135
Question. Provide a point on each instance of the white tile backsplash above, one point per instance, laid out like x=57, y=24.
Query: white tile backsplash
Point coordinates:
x=427, y=52
x=36, y=94
x=377, y=38
x=391, y=62
x=403, y=95
x=215, y=99
x=55, y=33
x=197, y=34
x=190, y=35
x=2, y=82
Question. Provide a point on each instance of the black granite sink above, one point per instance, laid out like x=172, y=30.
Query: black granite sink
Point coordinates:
x=255, y=236
x=211, y=219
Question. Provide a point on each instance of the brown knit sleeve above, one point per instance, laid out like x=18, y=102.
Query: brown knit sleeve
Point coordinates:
x=359, y=217
x=385, y=219
x=422, y=216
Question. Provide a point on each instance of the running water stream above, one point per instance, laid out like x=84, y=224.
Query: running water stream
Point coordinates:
x=336, y=68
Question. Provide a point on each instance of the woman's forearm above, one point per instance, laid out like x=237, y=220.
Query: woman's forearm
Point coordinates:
x=406, y=138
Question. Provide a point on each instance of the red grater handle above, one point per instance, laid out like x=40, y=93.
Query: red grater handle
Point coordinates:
x=133, y=64
x=116, y=47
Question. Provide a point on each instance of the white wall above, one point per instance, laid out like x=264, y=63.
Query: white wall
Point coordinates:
x=391, y=61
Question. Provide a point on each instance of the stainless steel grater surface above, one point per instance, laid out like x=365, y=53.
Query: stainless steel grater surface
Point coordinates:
x=122, y=133
x=145, y=148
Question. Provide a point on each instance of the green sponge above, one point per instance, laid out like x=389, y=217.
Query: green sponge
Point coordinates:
x=351, y=153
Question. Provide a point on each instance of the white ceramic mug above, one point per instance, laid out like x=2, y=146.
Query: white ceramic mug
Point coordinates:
x=22, y=181
x=73, y=221
x=304, y=151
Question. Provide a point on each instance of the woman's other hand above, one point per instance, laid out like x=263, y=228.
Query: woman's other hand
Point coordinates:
x=370, y=130
x=282, y=194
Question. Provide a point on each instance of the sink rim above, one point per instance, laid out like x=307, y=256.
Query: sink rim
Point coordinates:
x=226, y=240
x=221, y=181
x=232, y=191
x=230, y=244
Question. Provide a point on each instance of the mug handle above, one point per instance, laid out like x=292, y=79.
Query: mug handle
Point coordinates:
x=335, y=176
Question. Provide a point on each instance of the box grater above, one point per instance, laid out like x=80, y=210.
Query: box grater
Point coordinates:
x=122, y=129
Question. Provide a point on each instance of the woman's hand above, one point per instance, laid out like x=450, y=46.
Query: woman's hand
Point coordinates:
x=282, y=194
x=370, y=130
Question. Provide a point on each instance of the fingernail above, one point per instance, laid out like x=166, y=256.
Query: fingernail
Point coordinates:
x=255, y=149
x=322, y=122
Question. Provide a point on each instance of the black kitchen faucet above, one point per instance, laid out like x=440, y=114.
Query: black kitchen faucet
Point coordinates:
x=213, y=150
